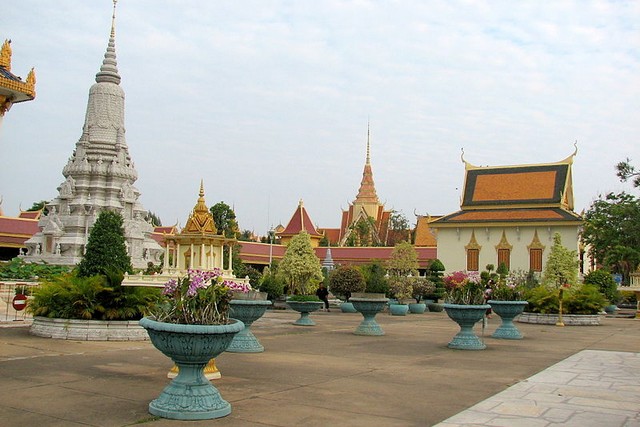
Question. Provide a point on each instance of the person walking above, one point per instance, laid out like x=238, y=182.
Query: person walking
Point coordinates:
x=323, y=294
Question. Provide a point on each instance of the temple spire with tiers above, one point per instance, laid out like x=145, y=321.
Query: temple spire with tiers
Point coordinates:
x=99, y=175
x=366, y=206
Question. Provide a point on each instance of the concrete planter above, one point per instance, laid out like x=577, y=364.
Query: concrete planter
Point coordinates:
x=88, y=330
x=568, y=319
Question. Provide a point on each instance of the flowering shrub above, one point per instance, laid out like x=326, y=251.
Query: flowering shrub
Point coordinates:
x=463, y=287
x=509, y=289
x=199, y=298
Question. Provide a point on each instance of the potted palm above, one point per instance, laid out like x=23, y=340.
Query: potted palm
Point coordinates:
x=465, y=304
x=192, y=326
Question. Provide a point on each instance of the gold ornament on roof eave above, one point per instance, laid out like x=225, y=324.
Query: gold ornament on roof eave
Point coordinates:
x=13, y=90
x=200, y=220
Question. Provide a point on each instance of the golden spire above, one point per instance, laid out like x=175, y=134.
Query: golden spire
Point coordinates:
x=5, y=55
x=367, y=190
x=200, y=220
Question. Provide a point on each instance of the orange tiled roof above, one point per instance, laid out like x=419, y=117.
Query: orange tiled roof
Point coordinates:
x=424, y=235
x=537, y=184
x=509, y=215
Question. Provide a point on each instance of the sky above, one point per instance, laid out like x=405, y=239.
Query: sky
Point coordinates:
x=269, y=102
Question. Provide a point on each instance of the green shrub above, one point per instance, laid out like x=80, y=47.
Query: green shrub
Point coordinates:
x=579, y=300
x=585, y=300
x=374, y=276
x=272, y=284
x=303, y=298
x=346, y=280
x=91, y=298
x=18, y=269
x=604, y=282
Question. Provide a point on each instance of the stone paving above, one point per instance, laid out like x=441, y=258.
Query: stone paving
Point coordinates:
x=325, y=375
x=590, y=388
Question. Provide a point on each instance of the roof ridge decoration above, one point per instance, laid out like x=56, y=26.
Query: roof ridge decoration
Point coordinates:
x=12, y=88
x=5, y=55
x=200, y=220
x=109, y=70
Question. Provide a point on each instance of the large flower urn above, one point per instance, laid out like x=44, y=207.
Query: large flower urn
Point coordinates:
x=190, y=396
x=466, y=316
x=369, y=306
x=304, y=308
x=247, y=311
x=507, y=310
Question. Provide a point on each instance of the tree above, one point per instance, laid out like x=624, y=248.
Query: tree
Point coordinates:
x=106, y=252
x=403, y=260
x=153, y=219
x=627, y=171
x=561, y=267
x=435, y=273
x=225, y=219
x=300, y=269
x=346, y=280
x=363, y=233
x=612, y=232
x=398, y=228
x=42, y=204
x=374, y=275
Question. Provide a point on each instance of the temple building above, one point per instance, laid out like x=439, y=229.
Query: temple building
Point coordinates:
x=509, y=215
x=198, y=245
x=12, y=88
x=365, y=222
x=99, y=175
x=300, y=220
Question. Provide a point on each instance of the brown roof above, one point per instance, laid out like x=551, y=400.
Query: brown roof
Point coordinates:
x=15, y=231
x=424, y=235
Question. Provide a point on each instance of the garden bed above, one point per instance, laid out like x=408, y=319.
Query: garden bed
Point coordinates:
x=567, y=319
x=88, y=330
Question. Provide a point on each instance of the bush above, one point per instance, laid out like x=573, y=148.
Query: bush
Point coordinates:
x=579, y=300
x=346, y=280
x=272, y=284
x=435, y=273
x=18, y=269
x=421, y=287
x=604, y=282
x=374, y=275
x=69, y=296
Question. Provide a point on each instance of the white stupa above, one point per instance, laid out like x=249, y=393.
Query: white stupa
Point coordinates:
x=98, y=176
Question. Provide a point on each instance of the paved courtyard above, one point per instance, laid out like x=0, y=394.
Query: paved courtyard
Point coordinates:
x=326, y=375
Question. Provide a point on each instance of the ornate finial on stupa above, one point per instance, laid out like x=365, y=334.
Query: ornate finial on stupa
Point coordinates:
x=109, y=70
x=201, y=187
x=368, y=161
x=5, y=55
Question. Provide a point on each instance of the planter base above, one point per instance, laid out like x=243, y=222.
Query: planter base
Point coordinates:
x=369, y=307
x=466, y=316
x=204, y=401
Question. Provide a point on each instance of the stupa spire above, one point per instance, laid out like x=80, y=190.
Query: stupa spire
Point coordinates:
x=367, y=191
x=109, y=70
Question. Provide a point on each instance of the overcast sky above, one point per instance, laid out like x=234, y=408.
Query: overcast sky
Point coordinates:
x=268, y=101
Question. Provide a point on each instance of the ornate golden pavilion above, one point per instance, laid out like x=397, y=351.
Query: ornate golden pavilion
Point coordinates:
x=12, y=88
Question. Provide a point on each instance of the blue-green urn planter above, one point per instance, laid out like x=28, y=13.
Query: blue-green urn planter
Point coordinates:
x=347, y=307
x=304, y=308
x=466, y=316
x=398, y=309
x=369, y=307
x=247, y=311
x=507, y=310
x=190, y=395
x=417, y=308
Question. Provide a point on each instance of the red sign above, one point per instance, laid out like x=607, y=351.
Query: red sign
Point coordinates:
x=19, y=302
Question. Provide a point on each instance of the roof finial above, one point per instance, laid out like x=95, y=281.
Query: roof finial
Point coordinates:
x=109, y=69
x=201, y=180
x=368, y=161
